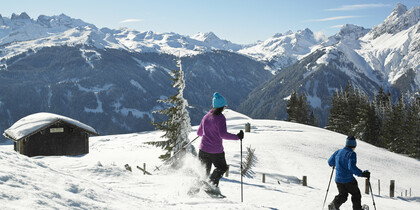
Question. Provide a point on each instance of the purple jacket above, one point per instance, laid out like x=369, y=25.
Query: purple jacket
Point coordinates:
x=213, y=130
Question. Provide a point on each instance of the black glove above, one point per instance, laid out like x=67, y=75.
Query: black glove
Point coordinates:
x=240, y=135
x=366, y=174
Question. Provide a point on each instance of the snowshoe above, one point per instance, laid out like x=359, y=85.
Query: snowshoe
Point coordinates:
x=195, y=188
x=212, y=191
x=331, y=206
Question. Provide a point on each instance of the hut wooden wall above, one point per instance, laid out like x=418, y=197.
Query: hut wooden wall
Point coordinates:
x=72, y=141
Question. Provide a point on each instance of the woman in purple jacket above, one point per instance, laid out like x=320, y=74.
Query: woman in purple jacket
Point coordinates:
x=213, y=130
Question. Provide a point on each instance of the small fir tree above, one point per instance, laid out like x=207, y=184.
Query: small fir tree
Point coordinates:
x=177, y=126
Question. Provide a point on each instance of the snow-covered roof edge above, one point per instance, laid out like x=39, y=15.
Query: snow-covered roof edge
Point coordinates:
x=35, y=122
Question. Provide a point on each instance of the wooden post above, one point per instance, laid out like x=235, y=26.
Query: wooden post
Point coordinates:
x=144, y=167
x=263, y=178
x=304, y=181
x=127, y=167
x=379, y=187
x=392, y=188
x=405, y=193
x=366, y=186
x=410, y=192
x=227, y=172
x=144, y=171
x=247, y=127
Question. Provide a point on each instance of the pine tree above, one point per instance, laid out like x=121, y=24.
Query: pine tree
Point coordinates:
x=382, y=103
x=394, y=131
x=416, y=112
x=412, y=126
x=312, y=119
x=292, y=107
x=303, y=110
x=372, y=132
x=299, y=110
x=337, y=118
x=361, y=109
x=177, y=126
x=348, y=113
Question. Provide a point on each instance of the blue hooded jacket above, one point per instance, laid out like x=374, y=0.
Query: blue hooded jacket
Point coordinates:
x=344, y=161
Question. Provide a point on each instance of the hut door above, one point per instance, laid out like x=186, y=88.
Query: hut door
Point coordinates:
x=19, y=147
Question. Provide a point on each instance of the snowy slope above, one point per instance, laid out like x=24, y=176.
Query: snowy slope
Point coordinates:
x=285, y=151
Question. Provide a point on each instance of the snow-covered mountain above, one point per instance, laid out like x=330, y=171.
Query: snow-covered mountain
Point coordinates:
x=285, y=151
x=282, y=50
x=112, y=78
x=20, y=34
x=116, y=91
x=387, y=56
x=21, y=27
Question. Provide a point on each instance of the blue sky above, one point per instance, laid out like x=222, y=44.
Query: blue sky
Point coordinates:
x=239, y=21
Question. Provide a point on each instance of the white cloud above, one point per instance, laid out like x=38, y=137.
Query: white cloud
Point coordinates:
x=332, y=18
x=358, y=7
x=320, y=36
x=337, y=26
x=131, y=20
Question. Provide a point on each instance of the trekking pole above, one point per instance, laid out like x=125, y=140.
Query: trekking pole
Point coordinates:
x=176, y=153
x=370, y=187
x=328, y=188
x=242, y=183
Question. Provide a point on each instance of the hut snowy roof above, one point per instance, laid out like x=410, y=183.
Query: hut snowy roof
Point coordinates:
x=35, y=122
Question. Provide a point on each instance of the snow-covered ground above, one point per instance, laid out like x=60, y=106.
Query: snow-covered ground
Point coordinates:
x=285, y=151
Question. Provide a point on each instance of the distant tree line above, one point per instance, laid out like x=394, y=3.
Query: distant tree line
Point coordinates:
x=299, y=111
x=394, y=125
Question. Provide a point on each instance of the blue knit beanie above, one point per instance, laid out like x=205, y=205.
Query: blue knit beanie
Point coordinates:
x=218, y=100
x=351, y=142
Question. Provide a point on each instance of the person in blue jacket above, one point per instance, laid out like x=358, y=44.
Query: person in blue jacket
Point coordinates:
x=344, y=161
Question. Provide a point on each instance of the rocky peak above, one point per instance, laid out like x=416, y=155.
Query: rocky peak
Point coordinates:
x=206, y=37
x=399, y=10
x=306, y=34
x=399, y=20
x=22, y=16
x=60, y=21
x=350, y=31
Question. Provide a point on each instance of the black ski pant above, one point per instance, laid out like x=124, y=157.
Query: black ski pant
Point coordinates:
x=343, y=191
x=219, y=162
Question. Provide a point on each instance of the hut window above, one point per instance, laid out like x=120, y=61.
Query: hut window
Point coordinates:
x=56, y=130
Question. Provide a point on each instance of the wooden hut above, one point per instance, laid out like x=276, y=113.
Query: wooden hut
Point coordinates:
x=44, y=134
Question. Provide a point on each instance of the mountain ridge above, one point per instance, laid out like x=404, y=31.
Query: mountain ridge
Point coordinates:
x=368, y=59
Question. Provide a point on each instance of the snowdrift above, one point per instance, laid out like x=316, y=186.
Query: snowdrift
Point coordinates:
x=285, y=151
